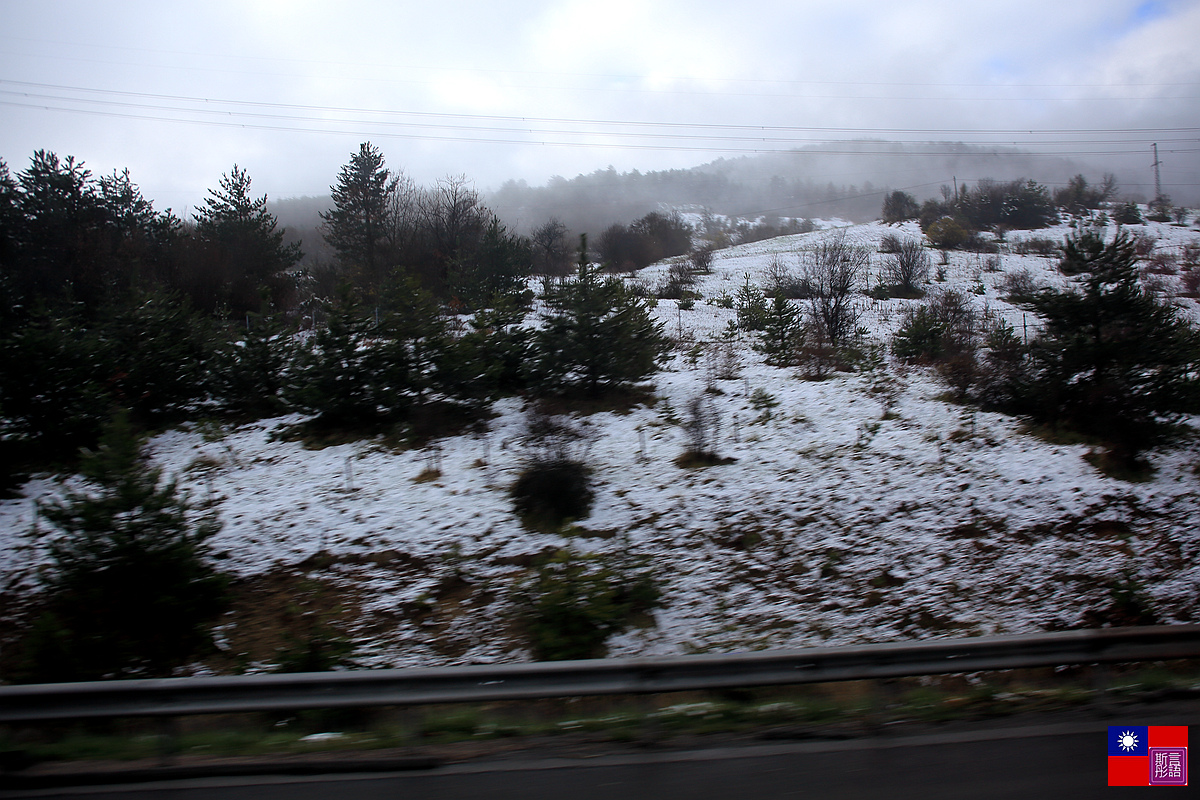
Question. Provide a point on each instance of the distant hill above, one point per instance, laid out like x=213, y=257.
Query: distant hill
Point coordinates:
x=847, y=180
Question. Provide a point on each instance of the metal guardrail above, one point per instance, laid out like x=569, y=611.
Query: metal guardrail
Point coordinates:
x=364, y=688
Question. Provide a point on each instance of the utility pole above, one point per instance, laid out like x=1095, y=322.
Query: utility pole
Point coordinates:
x=1157, y=178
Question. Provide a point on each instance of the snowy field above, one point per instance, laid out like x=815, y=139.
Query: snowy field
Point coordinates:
x=833, y=526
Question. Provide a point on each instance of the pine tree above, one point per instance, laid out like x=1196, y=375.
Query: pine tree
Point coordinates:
x=782, y=333
x=358, y=224
x=250, y=372
x=244, y=245
x=339, y=375
x=132, y=590
x=54, y=388
x=1112, y=360
x=495, y=270
x=598, y=336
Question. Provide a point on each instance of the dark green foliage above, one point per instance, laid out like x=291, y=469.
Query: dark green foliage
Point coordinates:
x=1027, y=206
x=920, y=336
x=491, y=360
x=1113, y=360
x=751, y=307
x=338, y=373
x=1129, y=605
x=69, y=240
x=54, y=385
x=991, y=204
x=947, y=233
x=318, y=649
x=60, y=376
x=598, y=335
x=358, y=225
x=575, y=602
x=550, y=492
x=494, y=271
x=900, y=206
x=413, y=340
x=132, y=591
x=159, y=353
x=1089, y=252
x=947, y=332
x=782, y=333
x=249, y=374
x=1128, y=214
x=240, y=248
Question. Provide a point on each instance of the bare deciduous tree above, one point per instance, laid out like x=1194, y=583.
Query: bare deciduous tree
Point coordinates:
x=907, y=270
x=552, y=253
x=833, y=273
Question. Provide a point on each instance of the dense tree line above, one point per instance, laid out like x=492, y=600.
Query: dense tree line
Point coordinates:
x=118, y=319
x=111, y=304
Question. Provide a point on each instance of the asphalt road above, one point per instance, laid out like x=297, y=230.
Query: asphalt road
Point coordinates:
x=1057, y=760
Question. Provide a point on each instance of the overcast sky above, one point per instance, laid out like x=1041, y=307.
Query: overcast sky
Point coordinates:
x=178, y=93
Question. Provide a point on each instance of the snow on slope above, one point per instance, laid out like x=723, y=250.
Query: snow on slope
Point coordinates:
x=832, y=526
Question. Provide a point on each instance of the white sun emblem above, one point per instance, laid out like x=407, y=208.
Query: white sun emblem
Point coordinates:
x=1127, y=741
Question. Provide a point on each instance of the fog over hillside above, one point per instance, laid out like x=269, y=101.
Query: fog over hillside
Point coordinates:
x=846, y=180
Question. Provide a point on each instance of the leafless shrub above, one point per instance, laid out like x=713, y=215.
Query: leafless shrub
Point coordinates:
x=722, y=362
x=1191, y=253
x=701, y=425
x=553, y=437
x=701, y=259
x=782, y=281
x=890, y=243
x=1019, y=286
x=1144, y=244
x=1036, y=246
x=835, y=268
x=1191, y=282
x=908, y=268
x=1162, y=262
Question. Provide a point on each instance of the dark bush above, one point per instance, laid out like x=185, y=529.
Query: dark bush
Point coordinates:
x=783, y=282
x=132, y=590
x=551, y=492
x=1019, y=287
x=1036, y=245
x=908, y=268
x=575, y=602
x=1128, y=214
x=899, y=206
x=1113, y=360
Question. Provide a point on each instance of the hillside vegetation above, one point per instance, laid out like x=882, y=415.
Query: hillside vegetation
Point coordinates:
x=843, y=435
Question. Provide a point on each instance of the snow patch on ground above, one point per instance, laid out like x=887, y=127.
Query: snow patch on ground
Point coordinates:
x=832, y=526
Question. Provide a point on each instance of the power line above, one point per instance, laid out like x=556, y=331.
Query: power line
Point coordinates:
x=491, y=129
x=565, y=132
x=488, y=139
x=377, y=67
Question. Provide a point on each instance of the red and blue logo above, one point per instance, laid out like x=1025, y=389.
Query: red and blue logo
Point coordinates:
x=1147, y=755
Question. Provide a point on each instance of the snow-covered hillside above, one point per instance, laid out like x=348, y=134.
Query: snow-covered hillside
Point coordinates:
x=834, y=525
